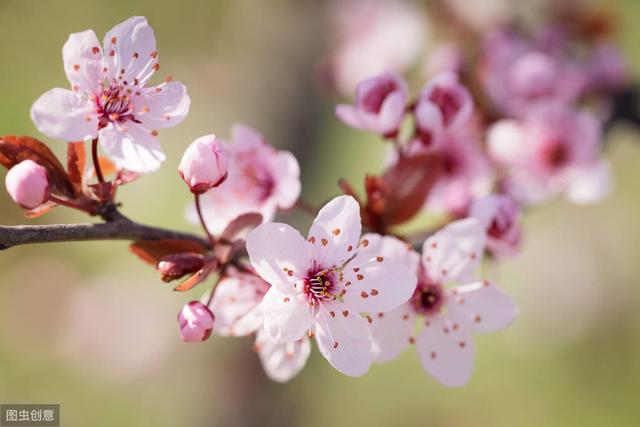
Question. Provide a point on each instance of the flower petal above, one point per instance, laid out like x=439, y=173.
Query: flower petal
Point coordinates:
x=349, y=115
x=455, y=251
x=287, y=317
x=61, y=114
x=484, y=305
x=280, y=255
x=391, y=248
x=130, y=51
x=591, y=185
x=392, y=332
x=336, y=229
x=446, y=351
x=344, y=340
x=132, y=147
x=82, y=57
x=392, y=112
x=162, y=106
x=288, y=175
x=281, y=362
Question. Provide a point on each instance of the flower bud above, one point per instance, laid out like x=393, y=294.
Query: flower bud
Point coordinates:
x=196, y=322
x=204, y=164
x=174, y=266
x=28, y=184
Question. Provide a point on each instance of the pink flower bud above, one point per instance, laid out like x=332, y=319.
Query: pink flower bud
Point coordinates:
x=380, y=105
x=175, y=266
x=500, y=215
x=196, y=322
x=450, y=97
x=204, y=164
x=28, y=184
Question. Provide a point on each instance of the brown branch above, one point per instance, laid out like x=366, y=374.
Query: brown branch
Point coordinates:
x=116, y=227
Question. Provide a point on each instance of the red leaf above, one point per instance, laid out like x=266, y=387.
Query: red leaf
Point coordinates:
x=40, y=210
x=175, y=266
x=241, y=226
x=76, y=162
x=152, y=251
x=15, y=149
x=196, y=279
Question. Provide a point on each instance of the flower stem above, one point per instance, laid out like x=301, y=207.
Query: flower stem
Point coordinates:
x=70, y=204
x=202, y=222
x=307, y=207
x=96, y=160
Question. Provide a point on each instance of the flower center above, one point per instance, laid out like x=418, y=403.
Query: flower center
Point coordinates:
x=320, y=285
x=114, y=105
x=427, y=298
x=372, y=101
x=448, y=103
x=557, y=154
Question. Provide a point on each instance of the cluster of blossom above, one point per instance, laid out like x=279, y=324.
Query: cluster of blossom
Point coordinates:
x=364, y=298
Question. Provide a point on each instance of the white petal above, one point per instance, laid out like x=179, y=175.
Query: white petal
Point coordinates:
x=61, y=114
x=336, y=229
x=391, y=248
x=235, y=305
x=349, y=115
x=485, y=306
x=287, y=317
x=455, y=251
x=446, y=351
x=288, y=176
x=280, y=255
x=392, y=112
x=134, y=50
x=344, y=340
x=391, y=332
x=591, y=185
x=82, y=56
x=133, y=147
x=164, y=108
x=281, y=362
x=507, y=142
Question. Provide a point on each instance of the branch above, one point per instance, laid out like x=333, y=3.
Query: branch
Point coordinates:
x=117, y=227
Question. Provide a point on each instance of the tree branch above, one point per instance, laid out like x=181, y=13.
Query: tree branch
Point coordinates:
x=117, y=227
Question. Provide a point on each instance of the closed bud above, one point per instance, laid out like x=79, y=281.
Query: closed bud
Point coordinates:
x=204, y=164
x=175, y=266
x=195, y=321
x=28, y=184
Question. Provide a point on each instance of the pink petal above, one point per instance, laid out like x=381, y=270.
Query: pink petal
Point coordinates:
x=343, y=340
x=280, y=255
x=377, y=284
x=132, y=147
x=336, y=228
x=590, y=185
x=446, y=351
x=349, y=115
x=485, y=306
x=242, y=134
x=133, y=45
x=82, y=58
x=392, y=332
x=391, y=248
x=392, y=112
x=507, y=142
x=235, y=305
x=455, y=251
x=429, y=119
x=287, y=317
x=162, y=106
x=61, y=114
x=281, y=362
x=288, y=176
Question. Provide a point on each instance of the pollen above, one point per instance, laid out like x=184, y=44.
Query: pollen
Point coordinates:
x=364, y=243
x=286, y=299
x=154, y=54
x=311, y=240
x=433, y=355
x=335, y=344
x=350, y=248
x=359, y=276
x=95, y=50
x=325, y=242
x=156, y=67
x=364, y=294
x=345, y=313
x=379, y=258
x=154, y=133
x=76, y=67
x=478, y=319
x=374, y=292
x=332, y=313
x=144, y=109
x=135, y=55
x=336, y=231
x=114, y=40
x=412, y=340
x=462, y=344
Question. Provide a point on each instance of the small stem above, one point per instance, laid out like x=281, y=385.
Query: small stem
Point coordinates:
x=213, y=290
x=96, y=160
x=70, y=204
x=202, y=222
x=307, y=207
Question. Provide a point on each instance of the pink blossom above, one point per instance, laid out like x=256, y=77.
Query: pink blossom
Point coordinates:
x=261, y=179
x=448, y=315
x=321, y=285
x=110, y=99
x=281, y=361
x=204, y=164
x=28, y=184
x=443, y=57
x=500, y=216
x=195, y=321
x=380, y=105
x=553, y=149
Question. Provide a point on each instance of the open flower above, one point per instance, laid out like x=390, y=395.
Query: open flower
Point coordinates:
x=109, y=98
x=323, y=284
x=500, y=216
x=448, y=315
x=260, y=179
x=380, y=105
x=553, y=149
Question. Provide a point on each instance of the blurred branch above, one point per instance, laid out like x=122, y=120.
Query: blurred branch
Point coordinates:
x=116, y=227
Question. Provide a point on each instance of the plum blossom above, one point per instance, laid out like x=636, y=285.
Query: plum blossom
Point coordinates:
x=28, y=184
x=236, y=305
x=380, y=105
x=204, y=164
x=553, y=149
x=500, y=216
x=260, y=179
x=448, y=315
x=322, y=285
x=109, y=97
x=195, y=321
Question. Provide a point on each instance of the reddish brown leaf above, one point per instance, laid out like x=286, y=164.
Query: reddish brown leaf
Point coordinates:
x=175, y=266
x=152, y=251
x=76, y=162
x=241, y=226
x=40, y=210
x=196, y=279
x=15, y=149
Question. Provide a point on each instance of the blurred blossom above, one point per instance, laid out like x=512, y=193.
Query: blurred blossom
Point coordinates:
x=444, y=56
x=483, y=15
x=374, y=36
x=500, y=216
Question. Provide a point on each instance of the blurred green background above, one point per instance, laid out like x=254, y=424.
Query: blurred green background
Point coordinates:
x=88, y=326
